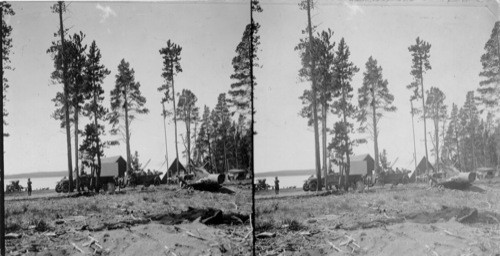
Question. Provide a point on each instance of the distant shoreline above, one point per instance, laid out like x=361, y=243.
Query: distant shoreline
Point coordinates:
x=285, y=173
x=36, y=175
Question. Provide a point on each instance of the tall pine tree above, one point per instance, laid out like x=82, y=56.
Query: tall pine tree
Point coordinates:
x=126, y=102
x=489, y=87
x=436, y=110
x=308, y=71
x=171, y=55
x=186, y=112
x=374, y=99
x=95, y=72
x=344, y=71
x=420, y=64
x=6, y=52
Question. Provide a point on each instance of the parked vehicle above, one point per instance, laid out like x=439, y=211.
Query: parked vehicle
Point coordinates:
x=142, y=178
x=335, y=180
x=261, y=185
x=393, y=177
x=14, y=187
x=85, y=183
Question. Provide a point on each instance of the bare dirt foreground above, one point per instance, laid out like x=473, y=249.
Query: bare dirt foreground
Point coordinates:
x=403, y=220
x=154, y=221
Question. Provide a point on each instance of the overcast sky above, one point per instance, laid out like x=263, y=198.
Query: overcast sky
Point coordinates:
x=208, y=33
x=457, y=33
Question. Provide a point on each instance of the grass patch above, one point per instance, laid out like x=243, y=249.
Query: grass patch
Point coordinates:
x=44, y=211
x=380, y=202
x=264, y=225
x=12, y=225
x=293, y=224
x=344, y=206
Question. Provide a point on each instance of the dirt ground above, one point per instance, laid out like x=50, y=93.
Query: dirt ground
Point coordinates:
x=403, y=220
x=162, y=220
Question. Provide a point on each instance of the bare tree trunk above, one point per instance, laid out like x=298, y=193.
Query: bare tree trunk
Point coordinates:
x=98, y=145
x=165, y=133
x=443, y=131
x=66, y=103
x=225, y=158
x=346, y=141
x=188, y=135
x=323, y=132
x=375, y=132
x=236, y=148
x=315, y=108
x=76, y=147
x=436, y=134
x=2, y=165
x=127, y=133
x=414, y=144
x=175, y=127
x=425, y=123
x=196, y=151
x=458, y=145
x=473, y=137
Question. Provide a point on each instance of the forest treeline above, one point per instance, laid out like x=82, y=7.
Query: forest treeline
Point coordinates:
x=465, y=137
x=217, y=138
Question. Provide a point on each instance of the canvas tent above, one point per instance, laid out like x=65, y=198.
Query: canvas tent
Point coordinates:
x=420, y=171
x=174, y=171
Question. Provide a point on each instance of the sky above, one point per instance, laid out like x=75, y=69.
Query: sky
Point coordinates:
x=208, y=33
x=457, y=34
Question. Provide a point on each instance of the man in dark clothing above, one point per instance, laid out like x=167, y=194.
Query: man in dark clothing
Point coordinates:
x=277, y=185
x=29, y=187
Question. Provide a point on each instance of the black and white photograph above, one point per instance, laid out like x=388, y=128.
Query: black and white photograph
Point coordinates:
x=127, y=128
x=250, y=127
x=377, y=128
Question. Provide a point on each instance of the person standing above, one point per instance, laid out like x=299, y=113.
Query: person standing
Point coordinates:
x=276, y=185
x=29, y=187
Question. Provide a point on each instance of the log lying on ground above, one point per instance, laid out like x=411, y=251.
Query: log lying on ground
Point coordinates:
x=213, y=178
x=461, y=181
x=209, y=183
x=464, y=177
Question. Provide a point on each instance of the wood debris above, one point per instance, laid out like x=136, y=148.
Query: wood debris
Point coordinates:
x=76, y=247
x=334, y=247
x=195, y=236
x=13, y=236
x=265, y=235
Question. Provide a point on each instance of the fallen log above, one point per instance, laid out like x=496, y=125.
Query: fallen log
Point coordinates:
x=265, y=235
x=13, y=236
x=212, y=178
x=460, y=181
x=464, y=177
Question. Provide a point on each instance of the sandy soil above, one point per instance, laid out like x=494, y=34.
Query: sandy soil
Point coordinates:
x=406, y=220
x=153, y=221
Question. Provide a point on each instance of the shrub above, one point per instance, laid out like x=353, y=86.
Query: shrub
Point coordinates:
x=40, y=225
x=293, y=224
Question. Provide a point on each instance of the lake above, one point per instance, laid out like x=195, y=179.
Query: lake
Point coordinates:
x=286, y=181
x=37, y=183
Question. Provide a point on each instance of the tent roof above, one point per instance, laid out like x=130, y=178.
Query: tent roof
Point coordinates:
x=173, y=166
x=112, y=159
x=362, y=157
x=421, y=165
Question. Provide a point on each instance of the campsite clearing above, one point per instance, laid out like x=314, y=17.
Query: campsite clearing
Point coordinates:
x=163, y=220
x=412, y=219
